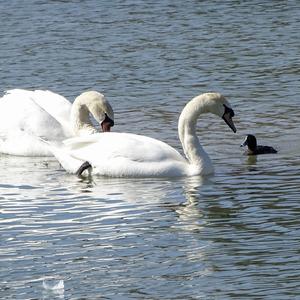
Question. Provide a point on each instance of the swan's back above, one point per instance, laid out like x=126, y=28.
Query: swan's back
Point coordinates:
x=113, y=144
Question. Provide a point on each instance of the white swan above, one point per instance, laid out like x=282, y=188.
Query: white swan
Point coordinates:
x=131, y=155
x=26, y=117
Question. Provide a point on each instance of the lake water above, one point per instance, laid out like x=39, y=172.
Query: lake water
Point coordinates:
x=233, y=235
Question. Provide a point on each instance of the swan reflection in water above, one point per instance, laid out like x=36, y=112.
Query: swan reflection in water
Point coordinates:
x=181, y=196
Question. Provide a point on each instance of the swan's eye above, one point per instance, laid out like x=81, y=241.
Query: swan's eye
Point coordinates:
x=228, y=111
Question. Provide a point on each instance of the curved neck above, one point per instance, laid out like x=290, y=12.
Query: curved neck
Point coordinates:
x=192, y=148
x=80, y=119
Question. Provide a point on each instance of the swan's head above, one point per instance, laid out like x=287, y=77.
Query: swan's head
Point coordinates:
x=218, y=105
x=99, y=107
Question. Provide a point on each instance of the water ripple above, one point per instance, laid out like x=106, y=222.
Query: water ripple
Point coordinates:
x=229, y=236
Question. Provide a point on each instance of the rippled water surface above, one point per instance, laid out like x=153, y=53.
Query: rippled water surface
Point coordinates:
x=233, y=235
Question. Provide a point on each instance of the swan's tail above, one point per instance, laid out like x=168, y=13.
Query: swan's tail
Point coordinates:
x=63, y=155
x=65, y=158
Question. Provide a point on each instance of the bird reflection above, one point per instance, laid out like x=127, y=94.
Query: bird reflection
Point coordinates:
x=181, y=196
x=251, y=162
x=189, y=212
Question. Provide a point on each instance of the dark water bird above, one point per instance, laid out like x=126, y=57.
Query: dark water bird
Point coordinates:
x=254, y=149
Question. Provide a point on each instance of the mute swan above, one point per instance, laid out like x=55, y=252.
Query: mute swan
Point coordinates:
x=26, y=117
x=254, y=149
x=130, y=155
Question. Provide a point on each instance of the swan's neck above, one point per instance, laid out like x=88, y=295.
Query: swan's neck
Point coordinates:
x=80, y=119
x=192, y=148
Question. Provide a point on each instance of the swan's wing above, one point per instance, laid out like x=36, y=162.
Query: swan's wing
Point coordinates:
x=20, y=113
x=103, y=147
x=55, y=105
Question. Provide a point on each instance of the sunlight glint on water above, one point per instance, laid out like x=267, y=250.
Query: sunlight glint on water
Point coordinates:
x=233, y=235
